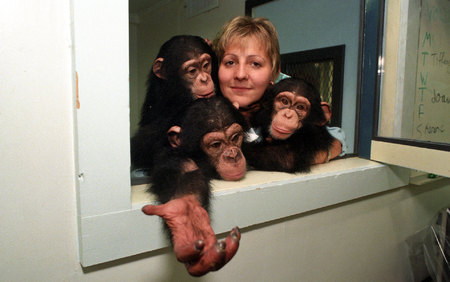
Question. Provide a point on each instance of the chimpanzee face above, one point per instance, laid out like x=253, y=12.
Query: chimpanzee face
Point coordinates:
x=290, y=109
x=196, y=74
x=224, y=151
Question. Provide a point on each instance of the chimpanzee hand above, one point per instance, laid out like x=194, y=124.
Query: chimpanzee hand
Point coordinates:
x=193, y=238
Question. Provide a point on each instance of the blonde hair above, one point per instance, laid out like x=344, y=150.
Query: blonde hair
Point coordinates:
x=244, y=26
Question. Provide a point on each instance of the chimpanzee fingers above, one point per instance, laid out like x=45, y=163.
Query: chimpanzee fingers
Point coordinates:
x=211, y=260
x=154, y=210
x=231, y=246
x=232, y=243
x=189, y=253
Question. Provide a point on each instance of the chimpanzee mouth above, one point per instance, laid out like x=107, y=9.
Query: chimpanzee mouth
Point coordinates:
x=207, y=95
x=280, y=133
x=234, y=177
x=281, y=130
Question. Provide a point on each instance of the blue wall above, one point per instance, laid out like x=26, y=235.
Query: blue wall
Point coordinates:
x=304, y=25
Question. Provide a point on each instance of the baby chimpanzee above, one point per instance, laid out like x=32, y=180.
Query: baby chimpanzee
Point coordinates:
x=185, y=69
x=206, y=145
x=292, y=124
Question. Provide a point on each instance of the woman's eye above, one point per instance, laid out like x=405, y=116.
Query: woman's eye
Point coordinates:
x=229, y=63
x=256, y=64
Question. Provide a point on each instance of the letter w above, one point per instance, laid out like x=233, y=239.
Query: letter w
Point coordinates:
x=423, y=79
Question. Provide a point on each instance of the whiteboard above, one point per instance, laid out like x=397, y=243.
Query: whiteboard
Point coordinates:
x=432, y=91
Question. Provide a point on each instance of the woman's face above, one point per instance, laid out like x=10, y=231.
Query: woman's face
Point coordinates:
x=245, y=71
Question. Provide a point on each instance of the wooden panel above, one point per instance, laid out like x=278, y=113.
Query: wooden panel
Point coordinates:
x=423, y=159
x=101, y=62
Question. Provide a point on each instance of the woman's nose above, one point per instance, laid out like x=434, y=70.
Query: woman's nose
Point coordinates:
x=241, y=72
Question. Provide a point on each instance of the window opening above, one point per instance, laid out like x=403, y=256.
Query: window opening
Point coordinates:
x=323, y=67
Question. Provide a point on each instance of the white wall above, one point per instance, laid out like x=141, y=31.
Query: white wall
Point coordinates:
x=359, y=241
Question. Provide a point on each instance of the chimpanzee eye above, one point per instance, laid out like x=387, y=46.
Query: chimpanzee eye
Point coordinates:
x=236, y=138
x=301, y=107
x=191, y=72
x=284, y=101
x=215, y=144
x=206, y=66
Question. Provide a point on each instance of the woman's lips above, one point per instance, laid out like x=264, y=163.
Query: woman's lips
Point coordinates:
x=239, y=88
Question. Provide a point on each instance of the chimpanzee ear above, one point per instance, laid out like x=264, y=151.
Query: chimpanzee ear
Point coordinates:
x=157, y=65
x=208, y=41
x=173, y=134
x=326, y=111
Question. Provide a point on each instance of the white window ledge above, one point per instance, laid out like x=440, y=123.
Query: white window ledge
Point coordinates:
x=260, y=197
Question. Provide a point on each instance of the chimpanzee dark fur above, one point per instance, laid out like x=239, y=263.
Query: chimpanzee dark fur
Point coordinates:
x=166, y=98
x=295, y=154
x=201, y=117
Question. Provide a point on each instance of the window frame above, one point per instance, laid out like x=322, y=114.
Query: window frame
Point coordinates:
x=110, y=226
x=337, y=55
x=414, y=154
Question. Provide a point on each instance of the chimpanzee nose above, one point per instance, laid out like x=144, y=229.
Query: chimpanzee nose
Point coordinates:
x=288, y=113
x=204, y=77
x=231, y=154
